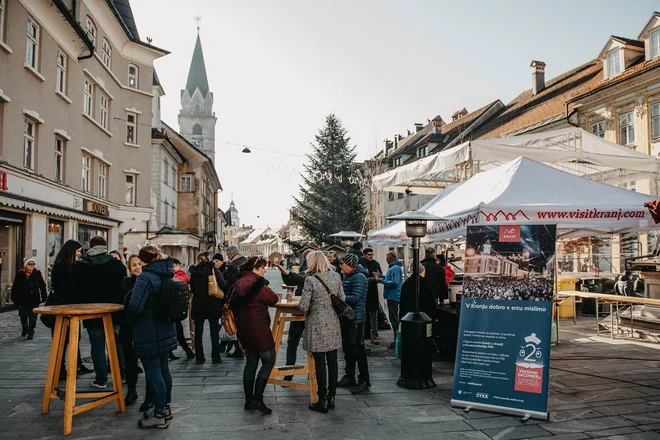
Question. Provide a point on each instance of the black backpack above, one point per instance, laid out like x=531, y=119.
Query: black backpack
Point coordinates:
x=171, y=301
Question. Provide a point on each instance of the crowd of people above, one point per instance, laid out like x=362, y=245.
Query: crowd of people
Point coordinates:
x=146, y=332
x=509, y=288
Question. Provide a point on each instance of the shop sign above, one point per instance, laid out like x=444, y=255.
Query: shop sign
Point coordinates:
x=3, y=181
x=96, y=208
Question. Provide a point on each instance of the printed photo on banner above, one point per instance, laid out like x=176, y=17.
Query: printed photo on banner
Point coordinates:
x=514, y=262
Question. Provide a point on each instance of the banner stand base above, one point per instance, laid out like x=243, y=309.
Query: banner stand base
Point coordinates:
x=525, y=415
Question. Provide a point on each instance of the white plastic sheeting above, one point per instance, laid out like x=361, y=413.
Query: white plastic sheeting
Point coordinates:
x=524, y=191
x=565, y=146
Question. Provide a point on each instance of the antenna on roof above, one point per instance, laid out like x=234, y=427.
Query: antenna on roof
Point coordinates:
x=198, y=20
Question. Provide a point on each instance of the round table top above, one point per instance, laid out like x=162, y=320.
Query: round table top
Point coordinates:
x=291, y=304
x=79, y=309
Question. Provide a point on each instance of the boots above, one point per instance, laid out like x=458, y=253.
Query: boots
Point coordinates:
x=258, y=401
x=248, y=389
x=321, y=405
x=331, y=401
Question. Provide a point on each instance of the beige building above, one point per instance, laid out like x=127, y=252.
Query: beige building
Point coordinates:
x=75, y=126
x=622, y=105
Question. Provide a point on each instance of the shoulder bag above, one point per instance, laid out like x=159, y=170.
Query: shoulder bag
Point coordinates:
x=214, y=290
x=343, y=310
x=228, y=318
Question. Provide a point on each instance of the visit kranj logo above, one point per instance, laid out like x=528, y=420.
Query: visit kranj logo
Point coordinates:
x=529, y=366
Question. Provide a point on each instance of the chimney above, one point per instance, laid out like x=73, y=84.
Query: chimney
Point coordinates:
x=538, y=77
x=418, y=126
x=388, y=146
x=396, y=140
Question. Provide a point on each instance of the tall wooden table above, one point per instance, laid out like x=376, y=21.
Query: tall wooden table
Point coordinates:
x=68, y=317
x=287, y=311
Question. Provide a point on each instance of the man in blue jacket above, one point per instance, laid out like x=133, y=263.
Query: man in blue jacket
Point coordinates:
x=392, y=290
x=352, y=334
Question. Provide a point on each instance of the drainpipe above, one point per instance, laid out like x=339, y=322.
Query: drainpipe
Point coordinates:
x=568, y=116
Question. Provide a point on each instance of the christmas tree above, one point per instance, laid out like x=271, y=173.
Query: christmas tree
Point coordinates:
x=332, y=193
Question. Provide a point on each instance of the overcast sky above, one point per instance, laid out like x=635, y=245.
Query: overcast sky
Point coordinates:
x=277, y=68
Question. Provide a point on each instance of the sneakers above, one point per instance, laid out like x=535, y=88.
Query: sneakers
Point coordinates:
x=84, y=370
x=146, y=406
x=168, y=412
x=360, y=388
x=346, y=382
x=237, y=354
x=374, y=341
x=99, y=385
x=153, y=420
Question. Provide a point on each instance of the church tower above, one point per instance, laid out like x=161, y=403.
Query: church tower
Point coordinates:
x=197, y=118
x=233, y=215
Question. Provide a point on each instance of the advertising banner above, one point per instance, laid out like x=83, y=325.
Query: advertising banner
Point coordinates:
x=503, y=353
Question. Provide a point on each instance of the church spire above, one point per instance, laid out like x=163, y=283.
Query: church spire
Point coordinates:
x=197, y=75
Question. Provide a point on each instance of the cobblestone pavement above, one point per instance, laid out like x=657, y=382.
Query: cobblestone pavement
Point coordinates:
x=617, y=399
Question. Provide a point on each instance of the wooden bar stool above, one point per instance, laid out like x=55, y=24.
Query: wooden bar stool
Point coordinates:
x=287, y=311
x=68, y=317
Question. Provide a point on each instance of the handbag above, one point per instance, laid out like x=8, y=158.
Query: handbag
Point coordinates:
x=343, y=310
x=214, y=290
x=226, y=337
x=52, y=300
x=228, y=318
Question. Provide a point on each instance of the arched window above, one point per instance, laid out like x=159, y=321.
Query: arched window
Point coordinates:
x=106, y=53
x=197, y=130
x=91, y=30
x=196, y=109
x=133, y=76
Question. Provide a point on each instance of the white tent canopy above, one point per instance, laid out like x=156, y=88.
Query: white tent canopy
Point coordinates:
x=568, y=148
x=524, y=191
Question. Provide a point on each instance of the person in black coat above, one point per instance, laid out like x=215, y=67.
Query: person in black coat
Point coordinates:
x=375, y=272
x=27, y=292
x=297, y=328
x=206, y=307
x=435, y=276
x=62, y=293
x=97, y=279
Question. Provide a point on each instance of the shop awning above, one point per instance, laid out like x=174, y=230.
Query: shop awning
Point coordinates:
x=51, y=209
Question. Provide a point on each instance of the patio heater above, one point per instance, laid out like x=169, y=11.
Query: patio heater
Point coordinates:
x=416, y=327
x=347, y=238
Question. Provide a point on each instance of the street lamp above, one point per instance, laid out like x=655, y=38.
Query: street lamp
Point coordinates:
x=347, y=237
x=416, y=327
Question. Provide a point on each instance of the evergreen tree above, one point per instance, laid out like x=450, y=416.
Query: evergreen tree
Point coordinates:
x=331, y=195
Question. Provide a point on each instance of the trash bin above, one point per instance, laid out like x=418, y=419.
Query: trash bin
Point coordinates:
x=593, y=285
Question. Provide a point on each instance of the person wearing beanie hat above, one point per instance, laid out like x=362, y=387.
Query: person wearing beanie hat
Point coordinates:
x=97, y=278
x=219, y=260
x=355, y=289
x=27, y=292
x=351, y=260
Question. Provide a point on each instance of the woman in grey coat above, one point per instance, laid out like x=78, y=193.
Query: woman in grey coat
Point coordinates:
x=322, y=334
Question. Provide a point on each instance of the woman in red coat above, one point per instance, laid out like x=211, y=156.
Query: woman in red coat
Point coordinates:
x=250, y=303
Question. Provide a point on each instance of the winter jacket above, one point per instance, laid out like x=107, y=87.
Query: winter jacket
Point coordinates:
x=435, y=277
x=28, y=291
x=97, y=279
x=322, y=331
x=372, y=283
x=61, y=283
x=296, y=279
x=427, y=302
x=151, y=337
x=355, y=289
x=252, y=297
x=126, y=287
x=233, y=269
x=449, y=274
x=393, y=281
x=203, y=305
x=181, y=275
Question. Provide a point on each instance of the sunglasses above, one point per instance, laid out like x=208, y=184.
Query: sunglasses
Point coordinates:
x=30, y=264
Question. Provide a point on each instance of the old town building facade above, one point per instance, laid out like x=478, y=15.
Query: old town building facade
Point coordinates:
x=75, y=111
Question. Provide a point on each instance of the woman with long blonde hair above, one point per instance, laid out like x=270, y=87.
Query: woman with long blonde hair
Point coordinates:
x=322, y=335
